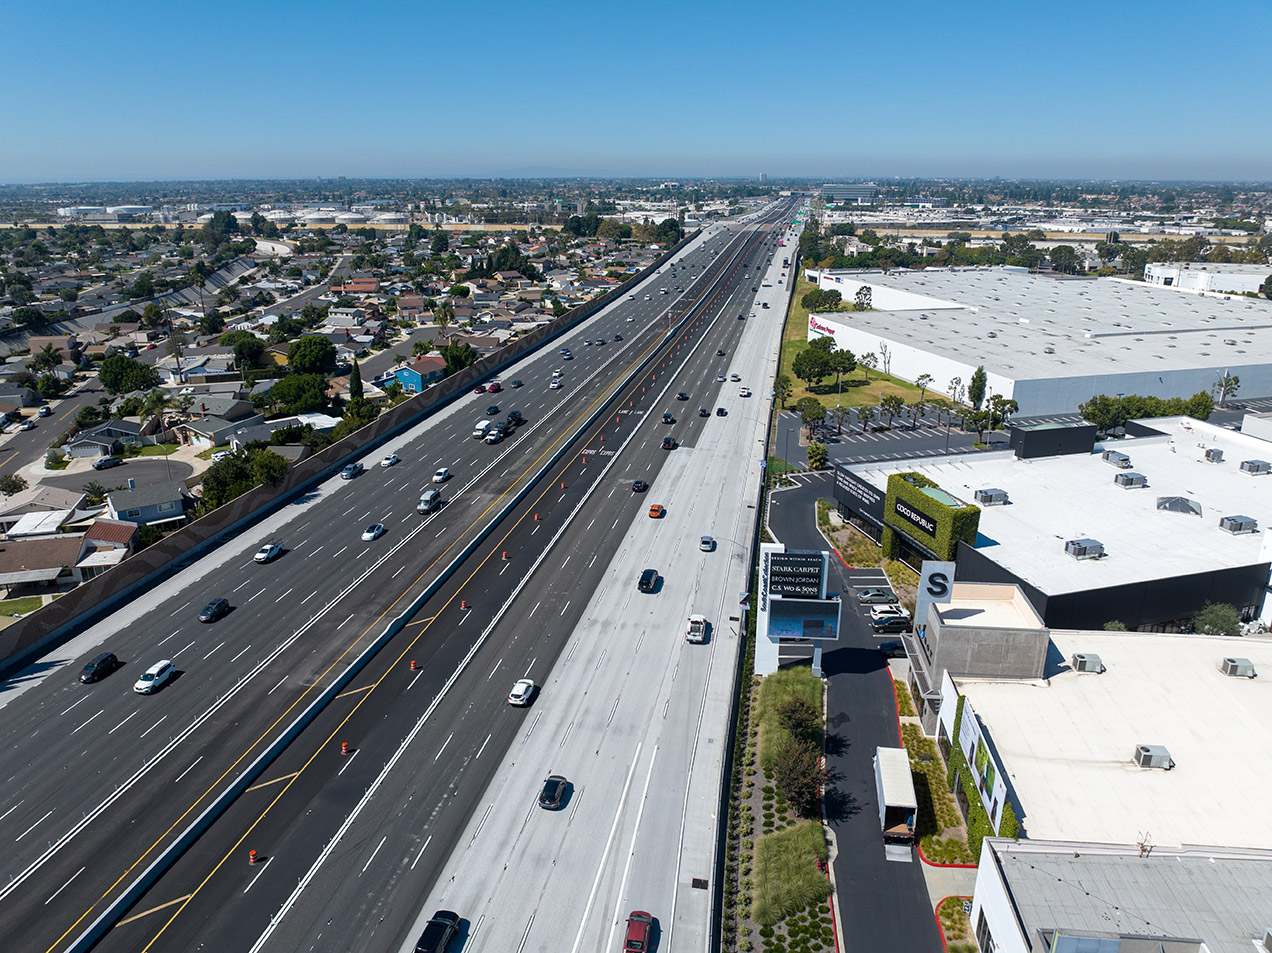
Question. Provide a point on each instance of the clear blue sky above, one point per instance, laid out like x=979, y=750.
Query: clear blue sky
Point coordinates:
x=277, y=88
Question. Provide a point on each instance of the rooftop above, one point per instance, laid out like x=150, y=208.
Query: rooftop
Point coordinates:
x=1066, y=742
x=1217, y=896
x=1055, y=499
x=1094, y=326
x=988, y=605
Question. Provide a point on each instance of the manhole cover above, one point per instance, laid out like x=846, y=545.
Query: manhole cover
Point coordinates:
x=699, y=883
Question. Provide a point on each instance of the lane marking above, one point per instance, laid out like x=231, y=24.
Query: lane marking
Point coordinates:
x=65, y=885
x=265, y=784
x=146, y=913
x=187, y=770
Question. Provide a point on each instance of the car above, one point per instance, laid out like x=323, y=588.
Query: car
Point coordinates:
x=99, y=667
x=639, y=486
x=391, y=460
x=744, y=392
x=267, y=552
x=27, y=425
x=631, y=298
x=553, y=792
x=631, y=318
x=442, y=475
x=719, y=352
x=374, y=531
x=618, y=337
x=564, y=350
x=735, y=377
x=667, y=418
x=492, y=410
x=522, y=692
x=567, y=356
x=669, y=443
x=682, y=396
x=706, y=544
x=440, y=930
x=44, y=411
x=892, y=611
x=556, y=384
x=214, y=610
x=646, y=297
x=720, y=378
x=648, y=580
x=600, y=340
x=105, y=463
x=753, y=290
x=875, y=596
x=657, y=511
x=696, y=630
x=721, y=412
x=154, y=677
x=588, y=342
x=351, y=471
x=479, y=389
x=556, y=372
x=891, y=624
x=494, y=436
x=892, y=649
x=494, y=387
x=639, y=926
x=515, y=383
x=222, y=455
x=515, y=419
x=703, y=412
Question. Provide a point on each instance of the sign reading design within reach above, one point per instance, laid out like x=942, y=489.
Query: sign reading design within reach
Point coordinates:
x=916, y=519
x=797, y=574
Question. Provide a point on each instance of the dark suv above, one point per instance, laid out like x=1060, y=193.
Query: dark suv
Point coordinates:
x=438, y=934
x=99, y=667
x=648, y=580
x=214, y=610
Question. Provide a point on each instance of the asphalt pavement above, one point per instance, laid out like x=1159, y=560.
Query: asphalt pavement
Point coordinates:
x=20, y=448
x=883, y=905
x=143, y=471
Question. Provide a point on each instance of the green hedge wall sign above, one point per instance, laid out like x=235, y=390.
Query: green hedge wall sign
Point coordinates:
x=916, y=507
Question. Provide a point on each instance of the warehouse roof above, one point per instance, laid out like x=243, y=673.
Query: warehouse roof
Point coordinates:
x=1067, y=742
x=1005, y=319
x=1056, y=499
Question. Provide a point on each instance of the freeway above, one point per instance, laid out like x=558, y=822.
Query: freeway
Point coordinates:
x=100, y=779
x=365, y=833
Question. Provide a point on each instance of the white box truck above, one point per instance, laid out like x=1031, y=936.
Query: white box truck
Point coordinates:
x=895, y=787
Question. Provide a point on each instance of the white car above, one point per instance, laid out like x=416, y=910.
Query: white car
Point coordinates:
x=696, y=631
x=153, y=677
x=442, y=475
x=631, y=318
x=390, y=460
x=222, y=455
x=522, y=692
x=268, y=552
x=556, y=384
x=889, y=612
x=374, y=531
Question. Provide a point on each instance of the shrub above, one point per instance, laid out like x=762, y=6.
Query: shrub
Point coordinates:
x=787, y=876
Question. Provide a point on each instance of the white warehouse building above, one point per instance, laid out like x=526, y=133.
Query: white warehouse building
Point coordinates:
x=1049, y=343
x=1207, y=278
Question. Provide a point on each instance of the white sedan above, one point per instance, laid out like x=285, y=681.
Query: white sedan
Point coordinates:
x=390, y=460
x=442, y=475
x=522, y=692
x=268, y=552
x=374, y=531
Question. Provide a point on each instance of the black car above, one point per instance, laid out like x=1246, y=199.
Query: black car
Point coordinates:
x=669, y=443
x=668, y=419
x=515, y=418
x=492, y=410
x=892, y=624
x=99, y=667
x=892, y=649
x=516, y=383
x=648, y=580
x=105, y=463
x=639, y=486
x=439, y=932
x=703, y=412
x=618, y=337
x=719, y=352
x=721, y=412
x=214, y=610
x=682, y=396
x=553, y=792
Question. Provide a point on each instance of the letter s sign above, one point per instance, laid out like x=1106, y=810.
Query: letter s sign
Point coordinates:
x=935, y=585
x=938, y=585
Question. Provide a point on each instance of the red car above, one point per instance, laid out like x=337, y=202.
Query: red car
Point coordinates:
x=479, y=389
x=639, y=925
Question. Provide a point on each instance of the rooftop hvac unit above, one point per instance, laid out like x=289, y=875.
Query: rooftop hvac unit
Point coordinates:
x=1238, y=668
x=1084, y=548
x=1086, y=662
x=1153, y=756
x=1256, y=467
x=1214, y=455
x=991, y=497
x=1130, y=480
x=1237, y=525
x=1119, y=460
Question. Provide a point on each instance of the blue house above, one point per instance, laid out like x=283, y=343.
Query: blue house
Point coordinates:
x=417, y=375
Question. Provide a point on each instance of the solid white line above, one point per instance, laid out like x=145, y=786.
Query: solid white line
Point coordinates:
x=187, y=770
x=65, y=885
x=373, y=853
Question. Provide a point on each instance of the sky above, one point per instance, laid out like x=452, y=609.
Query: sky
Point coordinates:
x=105, y=90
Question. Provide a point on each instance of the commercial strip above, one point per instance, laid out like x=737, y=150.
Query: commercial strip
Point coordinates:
x=1049, y=342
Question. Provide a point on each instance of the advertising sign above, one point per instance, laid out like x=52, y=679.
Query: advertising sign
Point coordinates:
x=804, y=618
x=936, y=584
x=923, y=523
x=797, y=574
x=858, y=495
x=987, y=774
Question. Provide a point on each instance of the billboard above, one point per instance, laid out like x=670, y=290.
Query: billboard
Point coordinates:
x=856, y=494
x=797, y=573
x=793, y=618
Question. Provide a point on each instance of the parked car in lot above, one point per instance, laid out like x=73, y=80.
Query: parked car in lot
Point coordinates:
x=876, y=596
x=374, y=531
x=105, y=463
x=351, y=471
x=268, y=552
x=214, y=610
x=438, y=933
x=154, y=677
x=522, y=692
x=891, y=624
x=553, y=792
x=98, y=668
x=892, y=611
x=648, y=580
x=892, y=649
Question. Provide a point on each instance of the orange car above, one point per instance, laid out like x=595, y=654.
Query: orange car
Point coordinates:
x=656, y=511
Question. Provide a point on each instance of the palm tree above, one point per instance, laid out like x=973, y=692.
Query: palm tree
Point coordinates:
x=47, y=358
x=95, y=492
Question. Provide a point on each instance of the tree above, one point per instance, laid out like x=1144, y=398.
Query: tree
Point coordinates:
x=1226, y=386
x=865, y=417
x=439, y=244
x=841, y=363
x=51, y=386
x=151, y=316
x=443, y=315
x=1217, y=618
x=247, y=347
x=869, y=361
x=1107, y=413
x=142, y=287
x=802, y=719
x=923, y=382
x=71, y=295
x=29, y=316
x=300, y=393
x=956, y=389
x=95, y=493
x=839, y=415
x=811, y=365
x=916, y=411
x=122, y=375
x=1265, y=289
x=976, y=389
x=811, y=412
x=977, y=421
x=1064, y=259
x=1000, y=409
x=819, y=300
x=355, y=384
x=863, y=300
x=458, y=355
x=311, y=354
x=211, y=324
x=782, y=389
x=799, y=776
x=11, y=483
x=818, y=456
x=891, y=405
x=1115, y=625
x=48, y=357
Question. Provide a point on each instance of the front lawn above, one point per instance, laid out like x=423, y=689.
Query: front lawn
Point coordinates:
x=20, y=606
x=159, y=450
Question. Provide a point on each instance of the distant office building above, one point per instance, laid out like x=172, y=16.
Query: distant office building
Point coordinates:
x=763, y=177
x=851, y=194
x=1207, y=277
